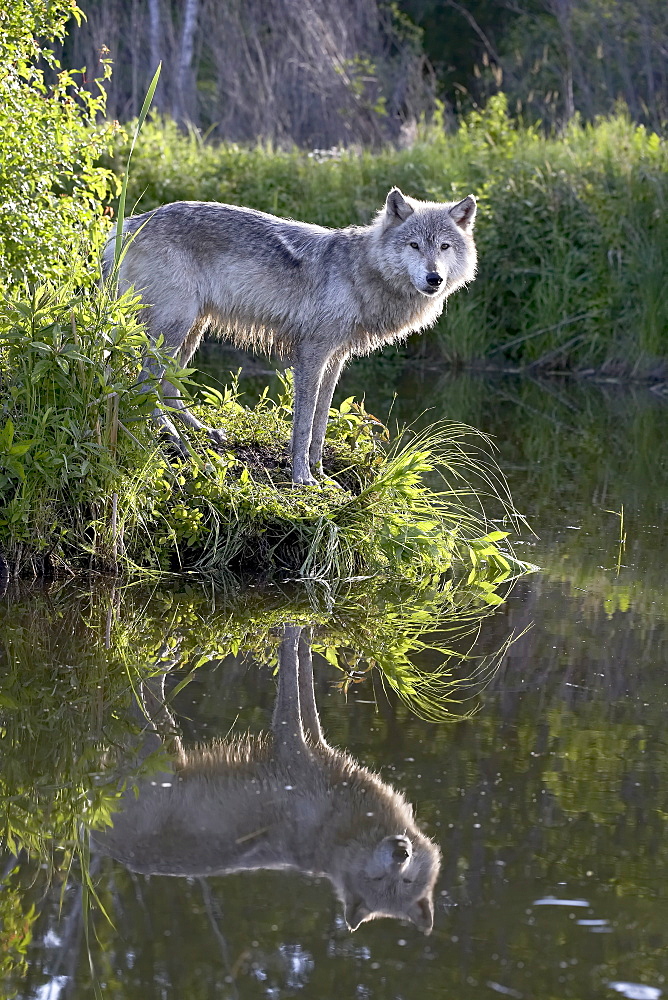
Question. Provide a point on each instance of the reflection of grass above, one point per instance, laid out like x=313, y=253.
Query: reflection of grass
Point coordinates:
x=72, y=658
x=582, y=748
x=446, y=692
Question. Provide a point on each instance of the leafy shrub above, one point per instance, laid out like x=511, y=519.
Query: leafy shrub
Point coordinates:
x=51, y=184
x=73, y=422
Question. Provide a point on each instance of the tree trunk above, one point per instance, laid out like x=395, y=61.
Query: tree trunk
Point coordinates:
x=563, y=13
x=184, y=82
x=155, y=47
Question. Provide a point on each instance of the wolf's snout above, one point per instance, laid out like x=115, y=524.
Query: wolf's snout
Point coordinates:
x=434, y=279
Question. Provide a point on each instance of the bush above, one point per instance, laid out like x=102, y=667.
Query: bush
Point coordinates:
x=52, y=186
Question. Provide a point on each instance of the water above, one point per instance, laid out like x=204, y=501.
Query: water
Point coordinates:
x=549, y=805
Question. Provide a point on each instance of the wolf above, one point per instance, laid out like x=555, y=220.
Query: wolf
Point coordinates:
x=285, y=801
x=317, y=296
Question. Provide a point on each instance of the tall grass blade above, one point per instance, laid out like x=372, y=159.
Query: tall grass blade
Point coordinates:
x=126, y=175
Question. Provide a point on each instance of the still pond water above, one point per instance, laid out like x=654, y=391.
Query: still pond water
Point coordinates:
x=549, y=805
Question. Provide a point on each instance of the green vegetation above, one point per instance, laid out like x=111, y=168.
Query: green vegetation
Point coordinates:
x=52, y=186
x=572, y=231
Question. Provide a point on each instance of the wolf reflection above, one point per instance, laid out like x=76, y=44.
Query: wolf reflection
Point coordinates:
x=283, y=801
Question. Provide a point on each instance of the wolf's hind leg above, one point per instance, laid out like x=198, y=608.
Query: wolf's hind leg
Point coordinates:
x=175, y=400
x=153, y=372
x=181, y=336
x=174, y=397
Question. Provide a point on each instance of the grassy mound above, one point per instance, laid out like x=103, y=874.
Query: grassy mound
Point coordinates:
x=86, y=485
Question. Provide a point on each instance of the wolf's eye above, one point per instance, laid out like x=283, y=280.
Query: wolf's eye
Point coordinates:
x=416, y=246
x=445, y=246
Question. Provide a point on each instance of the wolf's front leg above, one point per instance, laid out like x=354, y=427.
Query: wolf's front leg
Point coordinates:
x=321, y=416
x=287, y=723
x=307, y=706
x=309, y=367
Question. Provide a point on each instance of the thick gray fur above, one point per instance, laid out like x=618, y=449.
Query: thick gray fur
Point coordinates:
x=315, y=295
x=289, y=801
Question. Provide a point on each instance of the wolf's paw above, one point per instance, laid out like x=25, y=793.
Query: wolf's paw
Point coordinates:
x=216, y=435
x=176, y=445
x=304, y=479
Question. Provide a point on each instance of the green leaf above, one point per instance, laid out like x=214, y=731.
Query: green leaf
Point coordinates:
x=21, y=449
x=7, y=435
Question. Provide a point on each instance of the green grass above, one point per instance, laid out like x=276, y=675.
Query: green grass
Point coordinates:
x=572, y=230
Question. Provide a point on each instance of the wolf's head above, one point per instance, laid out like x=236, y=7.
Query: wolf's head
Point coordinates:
x=393, y=877
x=427, y=245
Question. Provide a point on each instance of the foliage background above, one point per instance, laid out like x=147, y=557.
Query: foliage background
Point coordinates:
x=52, y=187
x=324, y=72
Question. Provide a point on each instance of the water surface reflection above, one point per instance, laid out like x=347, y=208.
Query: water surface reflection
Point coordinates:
x=549, y=805
x=285, y=801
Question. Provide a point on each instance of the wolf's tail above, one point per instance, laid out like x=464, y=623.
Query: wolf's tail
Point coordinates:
x=109, y=252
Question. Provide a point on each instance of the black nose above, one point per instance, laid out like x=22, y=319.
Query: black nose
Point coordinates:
x=434, y=279
x=401, y=849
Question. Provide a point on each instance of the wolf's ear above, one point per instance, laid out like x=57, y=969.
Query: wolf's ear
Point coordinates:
x=421, y=913
x=464, y=213
x=397, y=209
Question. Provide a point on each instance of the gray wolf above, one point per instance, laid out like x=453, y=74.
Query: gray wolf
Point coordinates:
x=316, y=295
x=285, y=801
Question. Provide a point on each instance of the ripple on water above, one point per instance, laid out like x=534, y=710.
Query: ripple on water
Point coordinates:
x=636, y=991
